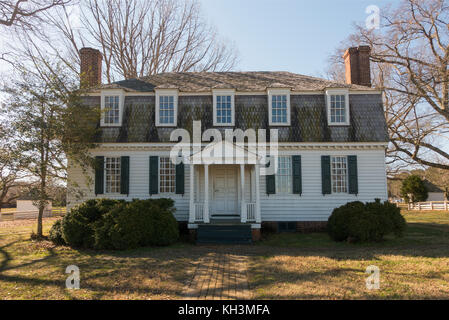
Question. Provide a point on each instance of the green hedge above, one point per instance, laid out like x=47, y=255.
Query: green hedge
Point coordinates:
x=359, y=222
x=114, y=224
x=56, y=233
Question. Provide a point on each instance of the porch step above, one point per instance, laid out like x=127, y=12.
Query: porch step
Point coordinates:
x=224, y=234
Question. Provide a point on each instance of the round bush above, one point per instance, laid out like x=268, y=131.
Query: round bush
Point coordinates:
x=137, y=223
x=78, y=224
x=55, y=235
x=356, y=221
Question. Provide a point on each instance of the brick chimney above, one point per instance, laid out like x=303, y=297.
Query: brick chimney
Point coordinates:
x=357, y=66
x=91, y=60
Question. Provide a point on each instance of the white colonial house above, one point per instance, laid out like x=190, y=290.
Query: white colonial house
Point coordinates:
x=325, y=140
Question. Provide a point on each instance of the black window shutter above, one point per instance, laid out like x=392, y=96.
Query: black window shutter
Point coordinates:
x=271, y=182
x=296, y=171
x=99, y=175
x=352, y=174
x=180, y=178
x=326, y=174
x=124, y=175
x=154, y=174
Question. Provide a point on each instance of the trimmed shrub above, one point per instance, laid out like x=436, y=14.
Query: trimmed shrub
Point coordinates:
x=113, y=224
x=138, y=223
x=356, y=221
x=78, y=224
x=55, y=235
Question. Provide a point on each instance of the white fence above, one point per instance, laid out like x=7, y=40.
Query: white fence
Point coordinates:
x=430, y=205
x=31, y=214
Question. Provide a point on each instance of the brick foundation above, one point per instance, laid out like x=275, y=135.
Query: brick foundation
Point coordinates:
x=255, y=233
x=301, y=226
x=192, y=235
x=311, y=226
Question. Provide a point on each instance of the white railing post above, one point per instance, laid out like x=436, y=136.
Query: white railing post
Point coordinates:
x=445, y=205
x=431, y=205
x=206, y=194
x=243, y=217
x=257, y=213
x=419, y=206
x=192, y=200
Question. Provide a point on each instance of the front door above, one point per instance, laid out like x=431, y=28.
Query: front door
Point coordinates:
x=225, y=191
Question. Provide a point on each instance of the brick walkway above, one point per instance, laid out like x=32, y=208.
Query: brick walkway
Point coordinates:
x=219, y=276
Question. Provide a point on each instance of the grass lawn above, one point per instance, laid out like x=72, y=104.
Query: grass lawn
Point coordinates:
x=311, y=266
x=282, y=266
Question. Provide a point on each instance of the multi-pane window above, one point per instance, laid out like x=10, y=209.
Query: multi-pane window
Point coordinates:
x=166, y=109
x=166, y=175
x=338, y=108
x=224, y=110
x=284, y=175
x=112, y=168
x=112, y=109
x=279, y=109
x=339, y=174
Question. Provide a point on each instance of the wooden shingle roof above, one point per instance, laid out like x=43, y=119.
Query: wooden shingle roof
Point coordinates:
x=240, y=81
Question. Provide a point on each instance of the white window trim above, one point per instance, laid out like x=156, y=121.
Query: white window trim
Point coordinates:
x=105, y=179
x=331, y=92
x=275, y=92
x=289, y=176
x=167, y=92
x=221, y=92
x=159, y=177
x=107, y=93
x=346, y=176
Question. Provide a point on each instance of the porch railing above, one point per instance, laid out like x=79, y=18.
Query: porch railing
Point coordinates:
x=251, y=211
x=199, y=211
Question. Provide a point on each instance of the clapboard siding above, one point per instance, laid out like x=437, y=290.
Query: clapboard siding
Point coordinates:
x=138, y=182
x=310, y=206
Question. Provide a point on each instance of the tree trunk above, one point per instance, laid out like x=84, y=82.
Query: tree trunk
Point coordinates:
x=39, y=221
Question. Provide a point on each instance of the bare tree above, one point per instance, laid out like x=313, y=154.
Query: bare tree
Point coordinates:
x=136, y=37
x=11, y=177
x=21, y=12
x=410, y=55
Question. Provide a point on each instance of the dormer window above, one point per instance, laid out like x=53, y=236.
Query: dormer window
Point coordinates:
x=224, y=109
x=337, y=107
x=279, y=107
x=112, y=108
x=166, y=108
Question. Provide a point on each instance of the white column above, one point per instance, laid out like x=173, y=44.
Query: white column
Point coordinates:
x=242, y=197
x=192, y=195
x=257, y=172
x=206, y=193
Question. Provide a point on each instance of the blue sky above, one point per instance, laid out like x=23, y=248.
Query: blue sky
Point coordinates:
x=288, y=35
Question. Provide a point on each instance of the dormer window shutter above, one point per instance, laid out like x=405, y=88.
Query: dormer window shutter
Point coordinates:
x=99, y=175
x=296, y=172
x=326, y=185
x=352, y=175
x=154, y=174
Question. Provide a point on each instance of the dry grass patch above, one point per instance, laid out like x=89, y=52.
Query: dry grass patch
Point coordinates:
x=414, y=267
